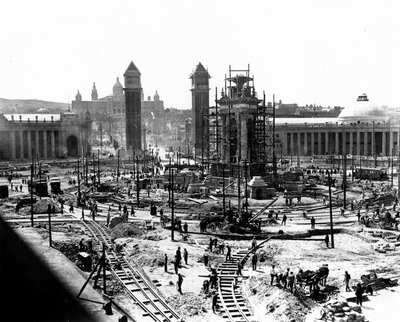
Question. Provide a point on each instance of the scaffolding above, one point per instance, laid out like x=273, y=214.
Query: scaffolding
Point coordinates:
x=260, y=155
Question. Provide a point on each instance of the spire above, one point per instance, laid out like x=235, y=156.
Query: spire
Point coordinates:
x=78, y=97
x=200, y=68
x=95, y=97
x=132, y=67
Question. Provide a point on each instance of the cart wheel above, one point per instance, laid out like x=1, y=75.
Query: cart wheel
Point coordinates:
x=212, y=227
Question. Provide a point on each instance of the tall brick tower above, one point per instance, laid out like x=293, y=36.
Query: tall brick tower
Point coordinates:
x=133, y=109
x=200, y=104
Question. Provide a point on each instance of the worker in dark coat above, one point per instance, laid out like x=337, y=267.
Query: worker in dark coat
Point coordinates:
x=327, y=240
x=228, y=253
x=165, y=263
x=185, y=256
x=359, y=293
x=179, y=283
x=214, y=302
x=254, y=261
x=179, y=255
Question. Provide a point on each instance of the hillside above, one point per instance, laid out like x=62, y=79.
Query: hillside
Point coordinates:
x=29, y=106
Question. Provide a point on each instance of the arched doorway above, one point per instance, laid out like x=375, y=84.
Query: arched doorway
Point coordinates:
x=72, y=146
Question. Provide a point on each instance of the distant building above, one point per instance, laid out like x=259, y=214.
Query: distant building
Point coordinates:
x=24, y=136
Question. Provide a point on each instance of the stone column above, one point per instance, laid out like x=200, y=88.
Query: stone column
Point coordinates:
x=351, y=151
x=391, y=143
x=365, y=143
x=358, y=152
x=291, y=144
x=336, y=142
x=45, y=144
x=305, y=144
x=284, y=143
x=312, y=143
x=383, y=143
x=37, y=143
x=12, y=142
x=53, y=146
x=298, y=150
x=326, y=142
x=21, y=145
x=29, y=139
x=319, y=143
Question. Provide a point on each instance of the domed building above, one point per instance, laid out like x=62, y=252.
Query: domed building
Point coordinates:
x=363, y=111
x=363, y=128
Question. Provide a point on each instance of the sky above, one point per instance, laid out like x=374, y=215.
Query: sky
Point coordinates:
x=304, y=51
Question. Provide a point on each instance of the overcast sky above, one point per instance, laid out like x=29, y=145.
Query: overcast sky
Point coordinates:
x=322, y=52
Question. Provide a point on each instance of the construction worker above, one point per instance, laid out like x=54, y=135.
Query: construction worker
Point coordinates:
x=254, y=260
x=214, y=302
x=108, y=217
x=179, y=283
x=272, y=274
x=284, y=218
x=185, y=255
x=347, y=281
x=179, y=255
x=327, y=240
x=83, y=215
x=291, y=281
x=165, y=263
x=228, y=253
x=254, y=244
x=239, y=268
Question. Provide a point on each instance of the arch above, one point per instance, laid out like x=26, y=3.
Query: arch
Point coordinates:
x=72, y=146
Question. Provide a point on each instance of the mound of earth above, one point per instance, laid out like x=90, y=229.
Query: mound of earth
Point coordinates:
x=189, y=304
x=271, y=303
x=124, y=230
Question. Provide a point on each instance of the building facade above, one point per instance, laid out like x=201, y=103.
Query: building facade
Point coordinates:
x=47, y=136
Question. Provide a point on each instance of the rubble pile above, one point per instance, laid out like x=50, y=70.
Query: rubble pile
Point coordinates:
x=40, y=207
x=188, y=305
x=127, y=230
x=340, y=311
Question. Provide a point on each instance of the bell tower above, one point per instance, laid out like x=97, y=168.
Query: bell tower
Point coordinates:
x=200, y=105
x=133, y=108
x=95, y=97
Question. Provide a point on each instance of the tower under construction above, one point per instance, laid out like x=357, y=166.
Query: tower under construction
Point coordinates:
x=241, y=127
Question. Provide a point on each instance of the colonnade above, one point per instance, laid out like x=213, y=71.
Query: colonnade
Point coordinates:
x=317, y=141
x=42, y=143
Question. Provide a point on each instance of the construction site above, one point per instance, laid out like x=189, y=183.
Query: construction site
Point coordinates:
x=232, y=230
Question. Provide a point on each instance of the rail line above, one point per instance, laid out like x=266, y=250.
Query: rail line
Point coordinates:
x=144, y=295
x=229, y=296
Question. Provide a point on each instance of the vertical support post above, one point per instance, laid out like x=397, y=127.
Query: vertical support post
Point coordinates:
x=344, y=178
x=238, y=180
x=104, y=270
x=50, y=240
x=330, y=209
x=98, y=166
x=32, y=194
x=391, y=178
x=137, y=181
x=172, y=207
x=79, y=186
x=94, y=170
x=223, y=188
x=118, y=167
x=246, y=179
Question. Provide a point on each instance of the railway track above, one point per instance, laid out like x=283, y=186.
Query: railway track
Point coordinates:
x=140, y=290
x=229, y=296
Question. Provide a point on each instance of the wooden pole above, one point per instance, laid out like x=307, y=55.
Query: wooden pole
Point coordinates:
x=79, y=187
x=32, y=194
x=104, y=270
x=223, y=188
x=330, y=209
x=50, y=240
x=172, y=207
x=137, y=181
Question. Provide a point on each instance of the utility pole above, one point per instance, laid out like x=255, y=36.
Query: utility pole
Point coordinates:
x=79, y=187
x=118, y=167
x=245, y=191
x=238, y=180
x=172, y=207
x=98, y=166
x=94, y=169
x=137, y=181
x=223, y=188
x=391, y=179
x=344, y=179
x=330, y=208
x=50, y=240
x=32, y=194
x=169, y=181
